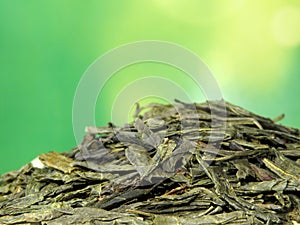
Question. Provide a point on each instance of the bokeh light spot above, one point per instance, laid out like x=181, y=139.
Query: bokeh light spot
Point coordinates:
x=286, y=26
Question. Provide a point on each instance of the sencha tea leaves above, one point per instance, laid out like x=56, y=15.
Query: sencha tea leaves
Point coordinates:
x=209, y=163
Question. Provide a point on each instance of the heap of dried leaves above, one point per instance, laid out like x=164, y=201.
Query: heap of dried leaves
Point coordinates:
x=171, y=166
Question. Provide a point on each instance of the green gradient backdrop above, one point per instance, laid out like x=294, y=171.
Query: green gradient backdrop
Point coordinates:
x=253, y=48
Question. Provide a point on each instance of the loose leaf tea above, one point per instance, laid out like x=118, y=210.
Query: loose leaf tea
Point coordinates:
x=209, y=163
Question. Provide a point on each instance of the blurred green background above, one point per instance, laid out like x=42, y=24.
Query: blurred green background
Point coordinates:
x=252, y=47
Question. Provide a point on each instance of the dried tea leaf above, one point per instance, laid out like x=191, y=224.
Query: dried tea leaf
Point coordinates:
x=57, y=161
x=139, y=157
x=208, y=163
x=146, y=135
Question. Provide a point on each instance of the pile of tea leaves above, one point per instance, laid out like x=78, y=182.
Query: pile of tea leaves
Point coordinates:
x=208, y=163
